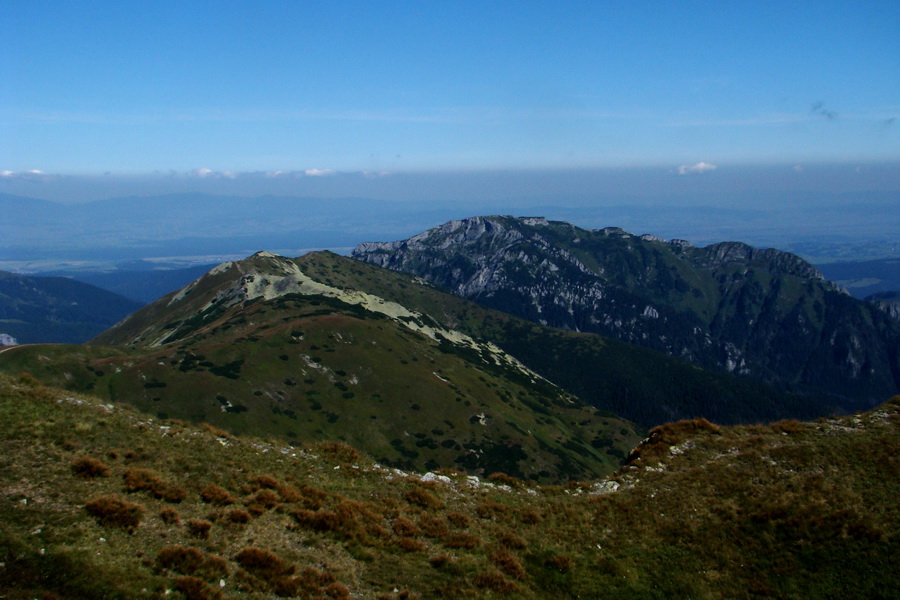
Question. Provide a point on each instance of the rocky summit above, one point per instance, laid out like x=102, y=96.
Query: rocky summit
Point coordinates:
x=759, y=313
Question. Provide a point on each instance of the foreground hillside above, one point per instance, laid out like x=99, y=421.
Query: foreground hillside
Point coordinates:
x=763, y=314
x=101, y=501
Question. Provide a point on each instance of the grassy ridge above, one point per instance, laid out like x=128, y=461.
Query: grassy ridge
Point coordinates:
x=636, y=383
x=313, y=368
x=100, y=500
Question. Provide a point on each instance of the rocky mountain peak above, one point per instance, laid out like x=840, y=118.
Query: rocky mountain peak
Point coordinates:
x=762, y=313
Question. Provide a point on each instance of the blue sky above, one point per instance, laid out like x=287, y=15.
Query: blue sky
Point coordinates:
x=221, y=89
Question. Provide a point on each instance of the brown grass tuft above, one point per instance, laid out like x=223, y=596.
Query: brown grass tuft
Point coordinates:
x=512, y=541
x=490, y=510
x=404, y=527
x=289, y=494
x=440, y=560
x=263, y=563
x=411, y=545
x=215, y=494
x=433, y=526
x=504, y=479
x=199, y=528
x=788, y=426
x=238, y=516
x=26, y=378
x=561, y=563
x=88, y=468
x=530, y=515
x=265, y=481
x=310, y=583
x=338, y=451
x=661, y=437
x=115, y=512
x=337, y=591
x=138, y=480
x=458, y=519
x=169, y=516
x=496, y=583
x=188, y=560
x=263, y=500
x=349, y=519
x=312, y=498
x=462, y=540
x=509, y=564
x=215, y=430
x=422, y=497
x=194, y=588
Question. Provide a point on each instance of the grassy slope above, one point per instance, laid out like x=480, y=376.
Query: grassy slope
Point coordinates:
x=793, y=510
x=316, y=369
x=634, y=382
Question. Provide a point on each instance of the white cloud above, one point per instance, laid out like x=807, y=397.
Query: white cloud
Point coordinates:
x=29, y=175
x=700, y=167
x=210, y=174
x=318, y=172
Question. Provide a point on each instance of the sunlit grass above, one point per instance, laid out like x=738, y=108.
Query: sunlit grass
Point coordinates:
x=795, y=510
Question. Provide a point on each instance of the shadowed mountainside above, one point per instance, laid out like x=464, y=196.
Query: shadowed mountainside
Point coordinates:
x=763, y=314
x=57, y=309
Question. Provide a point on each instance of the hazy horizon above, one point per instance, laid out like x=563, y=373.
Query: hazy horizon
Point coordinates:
x=725, y=185
x=657, y=117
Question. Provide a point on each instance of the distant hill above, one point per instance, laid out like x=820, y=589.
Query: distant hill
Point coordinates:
x=763, y=314
x=57, y=309
x=864, y=278
x=138, y=280
x=101, y=501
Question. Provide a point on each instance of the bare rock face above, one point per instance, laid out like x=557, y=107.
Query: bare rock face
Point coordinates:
x=761, y=313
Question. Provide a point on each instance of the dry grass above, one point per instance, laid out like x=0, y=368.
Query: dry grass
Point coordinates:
x=87, y=467
x=199, y=528
x=422, y=497
x=766, y=511
x=111, y=511
x=145, y=480
x=188, y=560
x=216, y=494
x=170, y=516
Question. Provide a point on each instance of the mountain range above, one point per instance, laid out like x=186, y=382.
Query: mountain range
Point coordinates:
x=762, y=314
